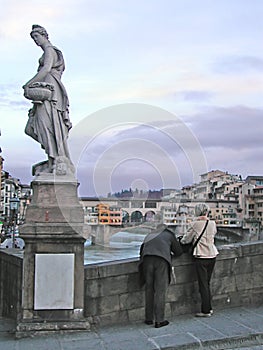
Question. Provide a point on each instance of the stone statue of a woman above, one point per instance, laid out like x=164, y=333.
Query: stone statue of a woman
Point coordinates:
x=48, y=121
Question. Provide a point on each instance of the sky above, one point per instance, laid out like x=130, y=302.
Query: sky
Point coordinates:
x=160, y=91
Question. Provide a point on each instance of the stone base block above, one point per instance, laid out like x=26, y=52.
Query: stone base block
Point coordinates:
x=31, y=329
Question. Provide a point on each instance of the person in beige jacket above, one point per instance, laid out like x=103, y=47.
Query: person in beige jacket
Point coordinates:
x=204, y=255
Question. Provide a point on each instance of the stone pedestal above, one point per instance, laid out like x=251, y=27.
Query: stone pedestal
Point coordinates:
x=53, y=267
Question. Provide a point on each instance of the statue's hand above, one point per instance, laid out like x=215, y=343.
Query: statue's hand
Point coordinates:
x=31, y=112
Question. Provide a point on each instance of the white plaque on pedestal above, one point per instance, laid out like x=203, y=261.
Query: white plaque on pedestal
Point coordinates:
x=54, y=281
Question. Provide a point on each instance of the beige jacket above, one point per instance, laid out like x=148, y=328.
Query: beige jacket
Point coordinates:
x=206, y=247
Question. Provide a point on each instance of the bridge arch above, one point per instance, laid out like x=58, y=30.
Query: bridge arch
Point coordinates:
x=136, y=216
x=149, y=215
x=125, y=216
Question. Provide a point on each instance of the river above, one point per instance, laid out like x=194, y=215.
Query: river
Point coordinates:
x=123, y=245
x=97, y=254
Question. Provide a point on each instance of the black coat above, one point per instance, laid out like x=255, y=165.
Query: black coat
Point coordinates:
x=161, y=243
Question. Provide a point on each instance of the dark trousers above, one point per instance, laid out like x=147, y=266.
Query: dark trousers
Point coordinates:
x=156, y=274
x=204, y=270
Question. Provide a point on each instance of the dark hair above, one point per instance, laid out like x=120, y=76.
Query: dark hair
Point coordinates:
x=38, y=29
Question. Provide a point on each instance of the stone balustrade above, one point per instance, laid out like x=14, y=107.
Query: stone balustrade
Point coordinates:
x=113, y=295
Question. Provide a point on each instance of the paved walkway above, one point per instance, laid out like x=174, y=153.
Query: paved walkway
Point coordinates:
x=235, y=328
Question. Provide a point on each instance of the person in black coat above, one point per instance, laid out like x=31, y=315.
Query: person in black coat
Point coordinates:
x=155, y=271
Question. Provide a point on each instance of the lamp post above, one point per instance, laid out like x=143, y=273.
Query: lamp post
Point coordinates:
x=14, y=206
x=25, y=200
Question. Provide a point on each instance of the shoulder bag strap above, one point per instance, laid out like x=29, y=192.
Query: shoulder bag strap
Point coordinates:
x=200, y=236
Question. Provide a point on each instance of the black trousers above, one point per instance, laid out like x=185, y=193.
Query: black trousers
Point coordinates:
x=156, y=274
x=204, y=270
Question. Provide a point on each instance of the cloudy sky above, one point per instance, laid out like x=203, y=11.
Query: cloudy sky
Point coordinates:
x=160, y=91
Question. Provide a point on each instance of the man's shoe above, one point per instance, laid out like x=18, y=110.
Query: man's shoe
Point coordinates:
x=161, y=324
x=201, y=314
x=148, y=322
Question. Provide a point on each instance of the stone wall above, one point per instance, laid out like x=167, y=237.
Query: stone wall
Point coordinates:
x=113, y=294
x=11, y=266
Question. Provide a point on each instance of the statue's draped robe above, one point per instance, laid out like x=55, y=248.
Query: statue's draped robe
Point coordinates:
x=49, y=122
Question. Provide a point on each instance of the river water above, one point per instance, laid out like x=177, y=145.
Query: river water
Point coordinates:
x=123, y=245
x=97, y=254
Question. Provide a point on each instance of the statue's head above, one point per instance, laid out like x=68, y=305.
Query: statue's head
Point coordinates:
x=40, y=30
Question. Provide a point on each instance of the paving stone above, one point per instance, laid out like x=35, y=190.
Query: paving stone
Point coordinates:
x=236, y=328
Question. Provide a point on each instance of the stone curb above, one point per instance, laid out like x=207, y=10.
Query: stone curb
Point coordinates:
x=221, y=344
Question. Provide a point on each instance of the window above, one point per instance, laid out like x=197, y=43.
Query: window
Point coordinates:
x=149, y=204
